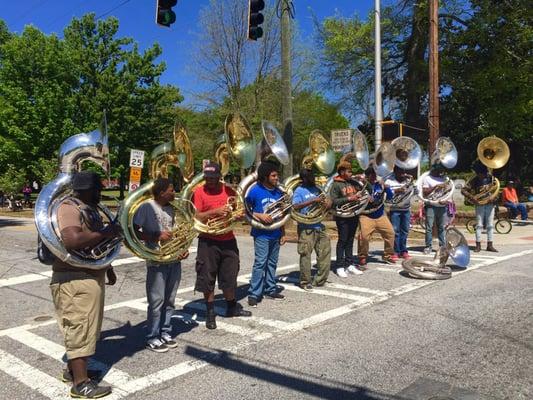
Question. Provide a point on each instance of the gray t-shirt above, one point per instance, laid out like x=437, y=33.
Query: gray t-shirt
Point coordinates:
x=154, y=219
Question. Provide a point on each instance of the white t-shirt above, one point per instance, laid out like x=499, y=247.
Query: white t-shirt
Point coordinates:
x=154, y=219
x=432, y=181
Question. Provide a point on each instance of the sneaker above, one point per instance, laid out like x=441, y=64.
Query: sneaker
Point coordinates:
x=89, y=390
x=389, y=259
x=210, y=319
x=274, y=296
x=252, y=301
x=157, y=345
x=92, y=374
x=237, y=311
x=428, y=250
x=341, y=273
x=405, y=255
x=353, y=270
x=362, y=262
x=167, y=339
x=307, y=287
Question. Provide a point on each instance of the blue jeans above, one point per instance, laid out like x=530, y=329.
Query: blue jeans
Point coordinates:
x=400, y=221
x=162, y=282
x=514, y=208
x=485, y=218
x=435, y=215
x=263, y=278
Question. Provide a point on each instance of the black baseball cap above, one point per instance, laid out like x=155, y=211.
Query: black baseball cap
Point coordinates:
x=86, y=180
x=212, y=170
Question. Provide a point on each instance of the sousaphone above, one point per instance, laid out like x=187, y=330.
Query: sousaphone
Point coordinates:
x=271, y=146
x=321, y=155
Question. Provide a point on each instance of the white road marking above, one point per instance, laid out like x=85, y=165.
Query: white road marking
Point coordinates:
x=355, y=288
x=254, y=334
x=17, y=280
x=32, y=377
x=52, y=389
x=56, y=351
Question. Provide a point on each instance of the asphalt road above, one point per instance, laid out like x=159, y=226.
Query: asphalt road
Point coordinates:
x=380, y=335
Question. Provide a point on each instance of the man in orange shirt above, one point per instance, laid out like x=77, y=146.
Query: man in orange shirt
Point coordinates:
x=510, y=200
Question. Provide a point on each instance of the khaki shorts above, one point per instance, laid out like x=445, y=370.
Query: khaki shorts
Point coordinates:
x=79, y=306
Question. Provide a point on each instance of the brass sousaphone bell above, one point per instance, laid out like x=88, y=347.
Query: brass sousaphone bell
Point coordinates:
x=494, y=153
x=320, y=154
x=176, y=153
x=238, y=143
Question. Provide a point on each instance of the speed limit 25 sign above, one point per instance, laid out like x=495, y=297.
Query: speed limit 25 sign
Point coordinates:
x=136, y=158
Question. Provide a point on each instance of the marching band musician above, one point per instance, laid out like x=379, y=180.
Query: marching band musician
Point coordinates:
x=376, y=221
x=400, y=214
x=343, y=191
x=266, y=242
x=434, y=212
x=217, y=255
x=484, y=212
x=311, y=236
x=78, y=293
x=153, y=223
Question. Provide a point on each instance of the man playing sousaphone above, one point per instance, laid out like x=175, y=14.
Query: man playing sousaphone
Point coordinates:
x=400, y=212
x=344, y=191
x=484, y=212
x=435, y=211
x=311, y=236
x=218, y=255
x=78, y=293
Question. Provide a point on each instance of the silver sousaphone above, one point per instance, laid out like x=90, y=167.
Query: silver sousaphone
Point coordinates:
x=456, y=249
x=445, y=153
x=272, y=146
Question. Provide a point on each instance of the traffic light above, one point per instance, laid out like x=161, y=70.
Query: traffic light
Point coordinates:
x=255, y=18
x=164, y=15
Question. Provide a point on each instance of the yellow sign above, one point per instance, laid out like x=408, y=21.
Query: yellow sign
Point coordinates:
x=135, y=174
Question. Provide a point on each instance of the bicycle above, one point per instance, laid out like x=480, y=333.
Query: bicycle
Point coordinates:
x=420, y=216
x=502, y=225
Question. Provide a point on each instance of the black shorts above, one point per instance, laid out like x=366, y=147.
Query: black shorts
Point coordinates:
x=216, y=259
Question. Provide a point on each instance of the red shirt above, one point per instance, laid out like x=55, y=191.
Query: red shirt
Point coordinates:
x=204, y=200
x=509, y=194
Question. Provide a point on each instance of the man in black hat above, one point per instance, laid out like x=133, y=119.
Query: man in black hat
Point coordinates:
x=78, y=293
x=484, y=212
x=217, y=255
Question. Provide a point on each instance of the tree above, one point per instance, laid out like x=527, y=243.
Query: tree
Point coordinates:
x=52, y=88
x=488, y=66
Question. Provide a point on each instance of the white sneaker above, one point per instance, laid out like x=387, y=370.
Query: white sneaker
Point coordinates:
x=341, y=273
x=428, y=250
x=352, y=270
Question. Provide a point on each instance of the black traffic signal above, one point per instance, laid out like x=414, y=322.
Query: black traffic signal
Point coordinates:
x=255, y=18
x=164, y=15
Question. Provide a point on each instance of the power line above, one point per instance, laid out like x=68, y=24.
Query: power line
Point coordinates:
x=113, y=9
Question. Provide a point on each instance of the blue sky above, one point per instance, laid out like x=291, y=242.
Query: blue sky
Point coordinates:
x=137, y=21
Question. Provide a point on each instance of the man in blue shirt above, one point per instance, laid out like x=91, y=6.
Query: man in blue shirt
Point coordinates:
x=376, y=221
x=266, y=242
x=311, y=236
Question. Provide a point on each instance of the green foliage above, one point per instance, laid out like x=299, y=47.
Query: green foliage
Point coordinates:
x=11, y=181
x=52, y=88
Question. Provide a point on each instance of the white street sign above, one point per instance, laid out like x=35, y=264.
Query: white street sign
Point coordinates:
x=341, y=139
x=136, y=158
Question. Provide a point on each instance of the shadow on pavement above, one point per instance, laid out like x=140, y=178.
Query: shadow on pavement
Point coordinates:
x=5, y=222
x=282, y=376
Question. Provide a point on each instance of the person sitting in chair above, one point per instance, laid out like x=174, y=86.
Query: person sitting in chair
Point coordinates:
x=510, y=201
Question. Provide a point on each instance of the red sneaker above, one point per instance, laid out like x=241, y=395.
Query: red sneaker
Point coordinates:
x=362, y=261
x=405, y=255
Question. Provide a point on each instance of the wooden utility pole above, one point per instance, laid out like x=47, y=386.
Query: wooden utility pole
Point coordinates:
x=434, y=114
x=286, y=89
